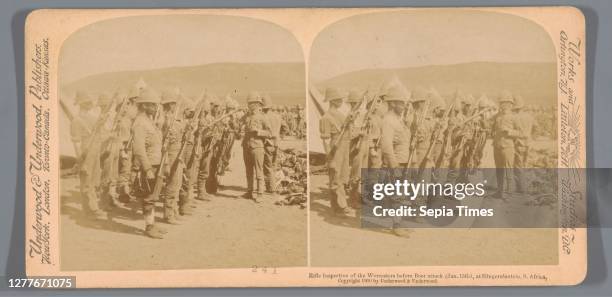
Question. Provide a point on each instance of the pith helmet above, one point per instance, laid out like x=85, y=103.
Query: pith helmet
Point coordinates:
x=468, y=100
x=435, y=99
x=355, y=96
x=518, y=101
x=267, y=101
x=419, y=95
x=148, y=95
x=506, y=96
x=483, y=102
x=396, y=93
x=82, y=98
x=169, y=97
x=254, y=97
x=332, y=94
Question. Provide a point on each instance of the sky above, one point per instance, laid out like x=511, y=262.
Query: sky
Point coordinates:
x=152, y=42
x=411, y=39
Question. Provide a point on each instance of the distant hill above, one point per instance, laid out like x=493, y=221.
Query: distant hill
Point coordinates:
x=536, y=82
x=283, y=81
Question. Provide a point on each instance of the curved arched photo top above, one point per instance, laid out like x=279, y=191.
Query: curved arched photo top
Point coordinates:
x=474, y=50
x=193, y=53
x=221, y=53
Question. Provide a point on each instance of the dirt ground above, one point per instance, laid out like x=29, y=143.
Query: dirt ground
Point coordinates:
x=226, y=232
x=343, y=242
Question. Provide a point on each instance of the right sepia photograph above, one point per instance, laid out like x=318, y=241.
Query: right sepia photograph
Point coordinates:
x=445, y=95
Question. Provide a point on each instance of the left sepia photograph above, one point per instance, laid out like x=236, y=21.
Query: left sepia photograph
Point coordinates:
x=182, y=145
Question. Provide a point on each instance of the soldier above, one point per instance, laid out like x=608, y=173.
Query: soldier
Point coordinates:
x=357, y=147
x=191, y=156
x=124, y=136
x=421, y=128
x=460, y=136
x=395, y=138
x=300, y=122
x=230, y=132
x=482, y=130
x=208, y=139
x=439, y=140
x=271, y=145
x=336, y=142
x=112, y=146
x=257, y=130
x=147, y=152
x=525, y=122
x=504, y=131
x=173, y=129
x=87, y=148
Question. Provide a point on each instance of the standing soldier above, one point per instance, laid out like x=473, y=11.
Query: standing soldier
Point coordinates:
x=300, y=122
x=441, y=141
x=271, y=145
x=525, y=124
x=173, y=129
x=125, y=159
x=208, y=139
x=460, y=136
x=482, y=130
x=336, y=142
x=420, y=128
x=87, y=148
x=257, y=130
x=504, y=131
x=395, y=138
x=191, y=155
x=147, y=151
x=357, y=148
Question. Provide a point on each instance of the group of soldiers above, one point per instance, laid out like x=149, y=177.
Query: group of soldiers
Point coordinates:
x=294, y=121
x=169, y=148
x=420, y=132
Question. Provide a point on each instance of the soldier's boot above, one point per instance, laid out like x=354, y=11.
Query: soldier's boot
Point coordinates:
x=90, y=207
x=124, y=194
x=169, y=213
x=153, y=232
x=203, y=196
x=113, y=196
x=401, y=232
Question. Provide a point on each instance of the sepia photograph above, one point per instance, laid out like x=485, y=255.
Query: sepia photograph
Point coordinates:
x=182, y=144
x=449, y=96
x=305, y=147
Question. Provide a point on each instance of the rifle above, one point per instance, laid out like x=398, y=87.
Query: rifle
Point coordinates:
x=415, y=124
x=462, y=125
x=434, y=138
x=195, y=153
x=94, y=143
x=160, y=171
x=190, y=129
x=71, y=118
x=347, y=122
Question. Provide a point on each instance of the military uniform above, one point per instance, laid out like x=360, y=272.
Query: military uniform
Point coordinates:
x=173, y=128
x=207, y=143
x=525, y=123
x=147, y=153
x=330, y=126
x=87, y=147
x=191, y=156
x=271, y=146
x=504, y=131
x=257, y=130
